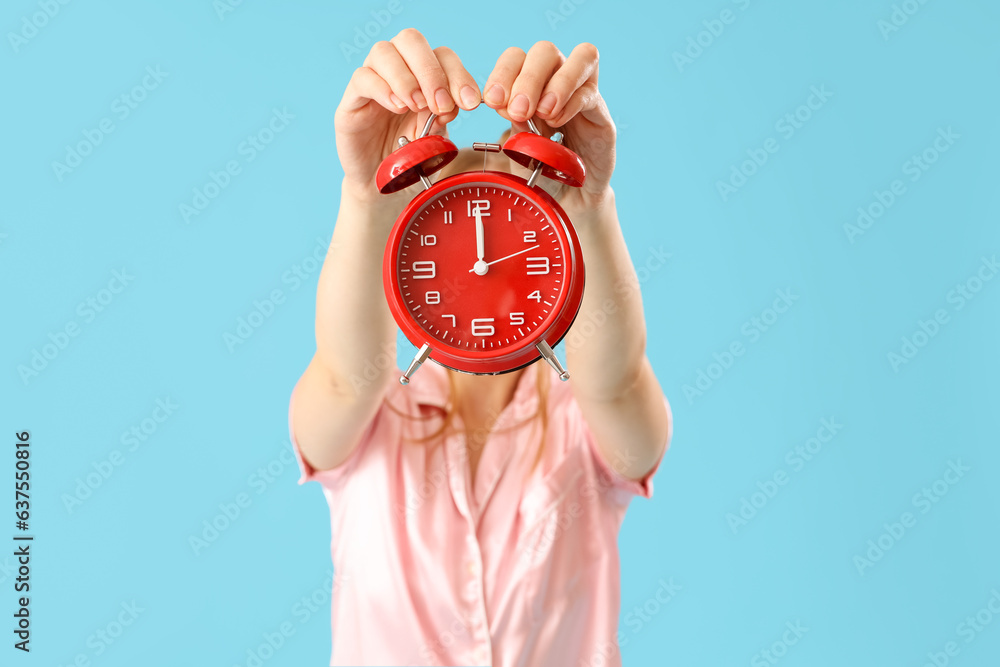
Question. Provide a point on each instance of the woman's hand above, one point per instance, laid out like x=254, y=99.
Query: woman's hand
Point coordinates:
x=613, y=381
x=391, y=95
x=545, y=84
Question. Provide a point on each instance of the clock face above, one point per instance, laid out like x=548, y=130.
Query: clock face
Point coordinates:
x=482, y=267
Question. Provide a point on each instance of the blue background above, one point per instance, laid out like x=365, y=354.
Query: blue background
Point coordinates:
x=683, y=127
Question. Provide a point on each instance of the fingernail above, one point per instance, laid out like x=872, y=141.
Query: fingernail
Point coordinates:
x=495, y=94
x=519, y=107
x=400, y=104
x=443, y=100
x=547, y=104
x=419, y=100
x=470, y=98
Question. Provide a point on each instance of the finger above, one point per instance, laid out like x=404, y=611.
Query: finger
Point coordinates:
x=462, y=85
x=541, y=61
x=440, y=124
x=365, y=86
x=580, y=67
x=522, y=126
x=496, y=92
x=583, y=100
x=424, y=65
x=385, y=61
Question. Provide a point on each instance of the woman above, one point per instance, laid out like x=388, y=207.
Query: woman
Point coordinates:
x=475, y=518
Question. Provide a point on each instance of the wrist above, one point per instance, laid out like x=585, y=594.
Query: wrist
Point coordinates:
x=583, y=207
x=367, y=198
x=361, y=193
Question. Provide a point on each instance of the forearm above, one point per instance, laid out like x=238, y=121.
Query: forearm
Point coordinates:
x=606, y=347
x=355, y=332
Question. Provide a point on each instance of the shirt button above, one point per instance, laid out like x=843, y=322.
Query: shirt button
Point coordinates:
x=482, y=656
x=472, y=592
x=472, y=567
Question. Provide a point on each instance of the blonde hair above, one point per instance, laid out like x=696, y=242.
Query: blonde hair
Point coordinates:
x=453, y=402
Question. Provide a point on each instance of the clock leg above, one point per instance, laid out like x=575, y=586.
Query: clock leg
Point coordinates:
x=550, y=357
x=421, y=357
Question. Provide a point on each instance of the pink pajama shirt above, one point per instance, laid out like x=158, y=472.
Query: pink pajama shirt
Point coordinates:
x=519, y=569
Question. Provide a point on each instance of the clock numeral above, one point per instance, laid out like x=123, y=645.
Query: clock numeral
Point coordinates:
x=428, y=239
x=454, y=321
x=537, y=266
x=529, y=237
x=481, y=326
x=432, y=297
x=427, y=269
x=481, y=206
x=447, y=217
x=518, y=318
x=536, y=295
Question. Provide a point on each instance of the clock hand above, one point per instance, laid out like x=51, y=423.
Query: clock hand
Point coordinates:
x=479, y=234
x=507, y=257
x=480, y=266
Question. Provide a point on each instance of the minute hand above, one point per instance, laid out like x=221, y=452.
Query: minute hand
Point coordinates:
x=509, y=256
x=480, y=243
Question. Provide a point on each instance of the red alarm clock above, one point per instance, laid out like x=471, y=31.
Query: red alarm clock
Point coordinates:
x=483, y=270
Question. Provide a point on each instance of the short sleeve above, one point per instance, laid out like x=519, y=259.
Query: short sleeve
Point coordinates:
x=333, y=476
x=623, y=487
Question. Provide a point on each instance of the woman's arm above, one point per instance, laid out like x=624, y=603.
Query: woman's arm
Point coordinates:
x=335, y=398
x=611, y=377
x=391, y=95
